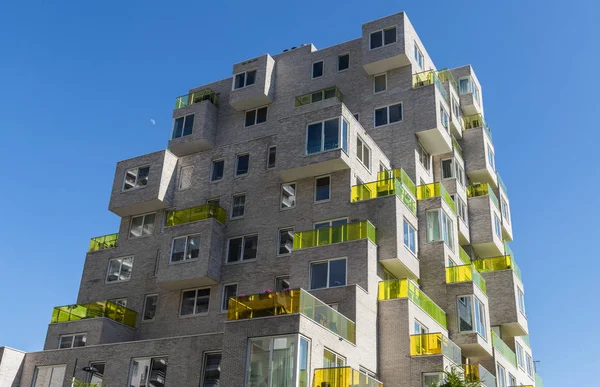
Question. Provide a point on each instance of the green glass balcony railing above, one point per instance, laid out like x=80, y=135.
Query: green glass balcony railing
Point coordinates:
x=94, y=310
x=194, y=214
x=335, y=234
x=434, y=344
x=465, y=273
x=504, y=349
x=104, y=242
x=482, y=190
x=403, y=288
x=476, y=121
x=446, y=76
x=387, y=187
x=504, y=262
x=199, y=96
x=457, y=146
x=464, y=256
x=343, y=377
x=319, y=95
x=501, y=184
x=291, y=302
x=538, y=381
x=429, y=77
x=477, y=373
x=433, y=190
x=526, y=340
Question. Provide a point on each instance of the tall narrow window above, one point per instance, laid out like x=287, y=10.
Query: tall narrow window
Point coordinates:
x=182, y=126
x=242, y=248
x=440, y=227
x=512, y=381
x=229, y=291
x=410, y=237
x=520, y=356
x=343, y=62
x=238, y=206
x=277, y=361
x=501, y=377
x=288, y=196
x=96, y=377
x=119, y=269
x=194, y=301
x=285, y=241
x=419, y=57
x=241, y=164
x=322, y=188
x=447, y=169
x=521, y=299
x=363, y=152
x=151, y=371
x=497, y=228
x=424, y=157
x=185, y=248
x=142, y=225
x=463, y=85
x=328, y=274
x=529, y=364
x=136, y=178
x=212, y=370
x=444, y=117
x=379, y=83
x=471, y=315
x=271, y=157
x=490, y=154
x=150, y=303
x=317, y=69
x=185, y=177
x=505, y=210
x=216, y=172
x=244, y=79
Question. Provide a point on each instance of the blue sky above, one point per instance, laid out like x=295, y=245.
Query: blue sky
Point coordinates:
x=81, y=81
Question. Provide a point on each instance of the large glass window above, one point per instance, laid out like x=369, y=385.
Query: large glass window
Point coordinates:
x=185, y=248
x=388, y=114
x=194, y=301
x=136, y=178
x=142, y=225
x=451, y=169
x=440, y=227
x=150, y=304
x=471, y=315
x=182, y=126
x=382, y=37
x=49, y=376
x=242, y=248
x=332, y=359
x=229, y=291
x=363, y=152
x=212, y=370
x=322, y=188
x=285, y=241
x=148, y=372
x=119, y=269
x=238, y=206
x=71, y=341
x=410, y=237
x=326, y=135
x=216, y=172
x=244, y=79
x=288, y=196
x=327, y=274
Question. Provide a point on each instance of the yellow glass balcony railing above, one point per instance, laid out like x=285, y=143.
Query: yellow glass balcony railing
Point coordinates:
x=476, y=121
x=319, y=95
x=477, y=373
x=446, y=76
x=343, y=377
x=538, y=381
x=401, y=175
x=433, y=190
x=104, y=242
x=199, y=96
x=93, y=310
x=381, y=188
x=475, y=190
x=335, y=234
x=194, y=214
x=403, y=288
x=465, y=273
x=429, y=77
x=504, y=262
x=434, y=344
x=464, y=256
x=291, y=302
x=504, y=349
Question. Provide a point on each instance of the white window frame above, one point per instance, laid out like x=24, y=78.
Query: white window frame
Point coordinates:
x=269, y=155
x=137, y=176
x=387, y=107
x=419, y=57
x=444, y=118
x=338, y=63
x=442, y=218
x=237, y=160
x=121, y=259
x=233, y=204
x=462, y=211
x=143, y=224
x=421, y=152
x=256, y=116
x=52, y=368
x=195, y=302
x=529, y=364
x=212, y=168
x=185, y=118
x=505, y=209
x=72, y=335
x=356, y=117
x=181, y=170
x=497, y=226
x=457, y=171
x=474, y=301
x=312, y=69
x=414, y=236
x=490, y=156
x=360, y=153
x=144, y=319
x=243, y=238
x=310, y=274
x=501, y=383
x=512, y=381
x=520, y=356
x=281, y=195
x=223, y=294
x=315, y=189
x=382, y=30
x=185, y=251
x=374, y=82
x=341, y=121
x=422, y=328
x=521, y=301
x=337, y=357
x=245, y=79
x=279, y=254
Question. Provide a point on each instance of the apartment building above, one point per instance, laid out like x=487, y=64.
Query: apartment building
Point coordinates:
x=321, y=218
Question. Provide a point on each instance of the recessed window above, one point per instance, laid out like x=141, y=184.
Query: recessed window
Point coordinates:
x=317, y=69
x=501, y=377
x=451, y=169
x=212, y=370
x=505, y=210
x=185, y=177
x=471, y=315
x=216, y=171
x=330, y=223
x=229, y=291
x=288, y=196
x=440, y=227
x=343, y=62
x=151, y=371
x=322, y=188
x=142, y=225
x=327, y=135
x=520, y=356
x=271, y=157
x=194, y=301
x=512, y=381
x=455, y=108
x=282, y=283
x=238, y=206
x=444, y=117
x=388, y=114
x=185, y=248
x=256, y=116
x=383, y=37
x=150, y=303
x=277, y=361
x=96, y=377
x=363, y=153
x=490, y=157
x=119, y=301
x=521, y=299
x=379, y=83
x=466, y=85
x=410, y=237
x=242, y=248
x=328, y=274
x=497, y=229
x=529, y=364
x=461, y=208
x=182, y=126
x=136, y=178
x=244, y=79
x=119, y=269
x=332, y=359
x=285, y=241
x=49, y=376
x=424, y=157
x=241, y=164
x=419, y=57
x=72, y=341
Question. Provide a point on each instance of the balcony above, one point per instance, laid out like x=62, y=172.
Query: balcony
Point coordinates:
x=104, y=242
x=465, y=273
x=471, y=101
x=335, y=234
x=197, y=97
x=434, y=190
x=207, y=211
x=291, y=302
x=402, y=187
x=259, y=92
x=195, y=123
x=317, y=96
x=464, y=256
x=106, y=309
x=343, y=377
x=504, y=262
x=479, y=151
x=501, y=347
x=477, y=373
x=485, y=221
x=403, y=288
x=432, y=344
x=429, y=77
x=475, y=190
x=538, y=381
x=476, y=121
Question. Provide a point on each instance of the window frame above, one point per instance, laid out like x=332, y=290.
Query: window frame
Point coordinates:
x=457, y=171
x=444, y=118
x=312, y=69
x=337, y=358
x=72, y=335
x=281, y=190
x=52, y=368
x=342, y=137
x=520, y=356
x=212, y=169
x=106, y=281
x=237, y=161
x=180, y=177
x=505, y=209
x=387, y=107
x=529, y=364
x=407, y=224
x=241, y=259
x=205, y=364
x=474, y=301
x=143, y=216
x=421, y=152
x=233, y=88
x=360, y=156
x=443, y=219
x=497, y=225
x=185, y=251
x=383, y=44
x=279, y=253
x=99, y=375
x=144, y=319
x=315, y=201
x=521, y=301
x=490, y=156
x=498, y=368
x=287, y=276
x=375, y=82
x=242, y=194
x=195, y=302
x=225, y=285
x=137, y=177
x=269, y=166
x=419, y=57
x=255, y=110
x=185, y=118
x=329, y=260
x=338, y=62
x=152, y=359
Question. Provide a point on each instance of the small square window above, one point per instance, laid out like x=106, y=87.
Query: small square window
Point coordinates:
x=285, y=241
x=322, y=188
x=317, y=69
x=380, y=83
x=256, y=116
x=185, y=248
x=241, y=164
x=271, y=157
x=343, y=62
x=136, y=178
x=288, y=196
x=142, y=225
x=119, y=269
x=244, y=79
x=238, y=206
x=389, y=36
x=216, y=172
x=383, y=37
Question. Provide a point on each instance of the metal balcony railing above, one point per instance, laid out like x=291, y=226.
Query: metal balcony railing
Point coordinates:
x=199, y=96
x=106, y=309
x=104, y=242
x=335, y=234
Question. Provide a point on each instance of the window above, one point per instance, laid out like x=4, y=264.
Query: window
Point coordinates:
x=119, y=301
x=505, y=209
x=424, y=157
x=363, y=152
x=388, y=114
x=242, y=248
x=330, y=223
x=182, y=126
x=322, y=188
x=256, y=116
x=444, y=117
x=455, y=108
x=119, y=269
x=529, y=364
x=383, y=37
x=142, y=225
x=440, y=227
x=501, y=377
x=328, y=274
x=520, y=356
x=471, y=315
x=463, y=84
x=238, y=206
x=497, y=228
x=288, y=196
x=150, y=303
x=49, y=376
x=282, y=283
x=356, y=116
x=185, y=248
x=451, y=169
x=151, y=371
x=512, y=381
x=433, y=379
x=467, y=86
x=136, y=178
x=490, y=156
x=212, y=370
x=216, y=172
x=185, y=177
x=72, y=341
x=332, y=359
x=271, y=157
x=379, y=83
x=241, y=164
x=244, y=79
x=419, y=57
x=194, y=301
x=343, y=62
x=419, y=328
x=214, y=201
x=410, y=238
x=285, y=241
x=317, y=69
x=229, y=291
x=461, y=208
x=327, y=135
x=97, y=376
x=521, y=298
